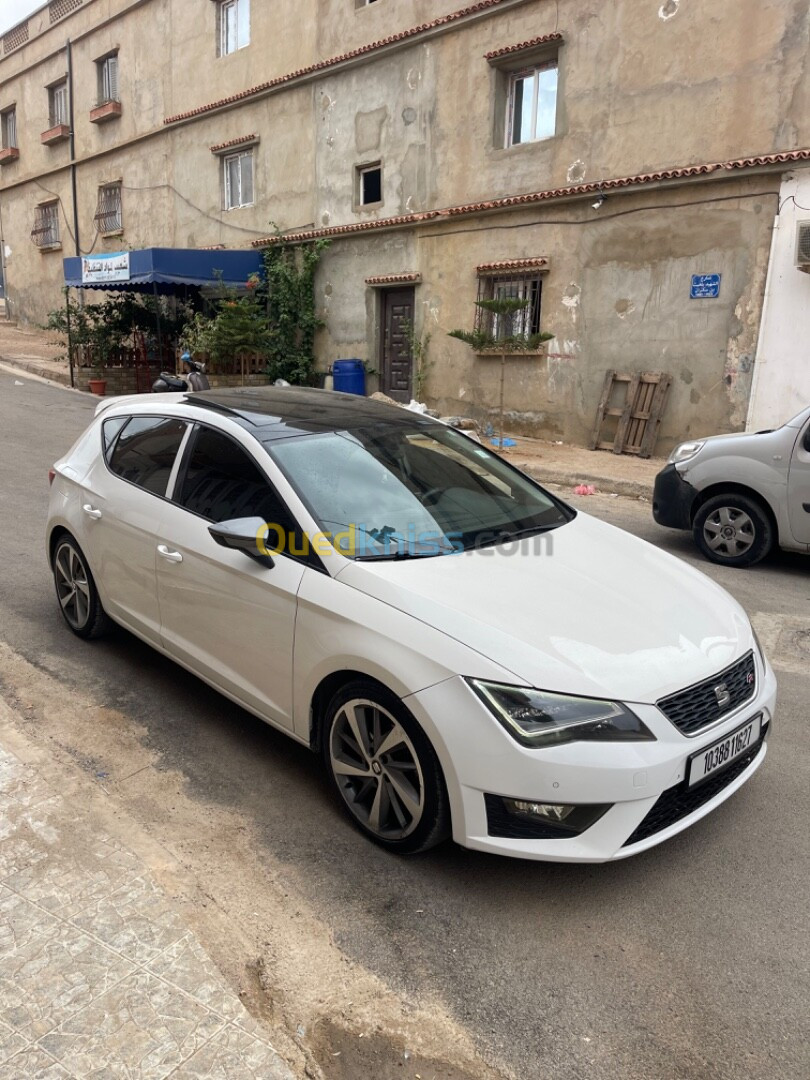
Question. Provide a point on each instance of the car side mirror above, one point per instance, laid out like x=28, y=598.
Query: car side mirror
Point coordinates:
x=242, y=534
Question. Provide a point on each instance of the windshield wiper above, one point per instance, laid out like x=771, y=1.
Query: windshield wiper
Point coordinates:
x=393, y=556
x=504, y=536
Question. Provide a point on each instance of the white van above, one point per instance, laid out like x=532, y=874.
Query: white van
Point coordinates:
x=741, y=495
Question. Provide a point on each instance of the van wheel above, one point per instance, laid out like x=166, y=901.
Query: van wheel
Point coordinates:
x=733, y=530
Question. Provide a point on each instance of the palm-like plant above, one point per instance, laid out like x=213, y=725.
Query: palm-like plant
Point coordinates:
x=512, y=340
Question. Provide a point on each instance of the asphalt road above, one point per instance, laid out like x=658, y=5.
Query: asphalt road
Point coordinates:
x=690, y=961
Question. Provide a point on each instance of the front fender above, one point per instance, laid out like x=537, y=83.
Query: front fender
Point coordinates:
x=338, y=628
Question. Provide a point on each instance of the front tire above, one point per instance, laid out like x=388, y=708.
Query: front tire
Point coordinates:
x=384, y=769
x=733, y=530
x=76, y=591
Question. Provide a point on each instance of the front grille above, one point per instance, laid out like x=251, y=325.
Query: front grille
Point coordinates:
x=681, y=801
x=697, y=707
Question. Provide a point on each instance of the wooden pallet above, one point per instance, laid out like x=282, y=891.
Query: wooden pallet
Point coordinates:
x=638, y=414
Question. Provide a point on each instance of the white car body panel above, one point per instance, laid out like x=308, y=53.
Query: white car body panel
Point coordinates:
x=571, y=621
x=606, y=615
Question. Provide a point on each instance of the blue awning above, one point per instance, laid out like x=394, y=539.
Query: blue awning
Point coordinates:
x=161, y=270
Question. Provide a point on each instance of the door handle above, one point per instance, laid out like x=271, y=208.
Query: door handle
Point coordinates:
x=91, y=512
x=168, y=554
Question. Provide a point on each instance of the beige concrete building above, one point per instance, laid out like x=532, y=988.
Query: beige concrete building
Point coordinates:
x=589, y=157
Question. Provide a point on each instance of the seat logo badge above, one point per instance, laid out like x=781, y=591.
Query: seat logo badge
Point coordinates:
x=722, y=695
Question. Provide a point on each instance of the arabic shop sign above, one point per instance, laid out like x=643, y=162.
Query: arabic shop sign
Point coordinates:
x=100, y=268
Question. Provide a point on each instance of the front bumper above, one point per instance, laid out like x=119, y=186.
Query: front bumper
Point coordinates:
x=673, y=499
x=644, y=782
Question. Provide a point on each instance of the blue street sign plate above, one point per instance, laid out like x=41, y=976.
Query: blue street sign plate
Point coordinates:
x=704, y=285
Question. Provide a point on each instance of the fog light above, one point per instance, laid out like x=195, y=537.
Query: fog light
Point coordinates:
x=527, y=818
x=547, y=811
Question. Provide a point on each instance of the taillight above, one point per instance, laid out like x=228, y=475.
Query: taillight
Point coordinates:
x=51, y=476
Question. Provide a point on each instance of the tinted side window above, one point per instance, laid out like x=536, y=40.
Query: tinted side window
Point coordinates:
x=222, y=483
x=145, y=451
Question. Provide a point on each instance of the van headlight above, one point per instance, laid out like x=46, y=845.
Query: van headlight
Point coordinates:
x=684, y=452
x=538, y=718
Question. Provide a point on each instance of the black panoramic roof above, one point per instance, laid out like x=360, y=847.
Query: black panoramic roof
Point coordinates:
x=277, y=412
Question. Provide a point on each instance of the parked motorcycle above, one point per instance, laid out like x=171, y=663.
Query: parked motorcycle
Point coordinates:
x=193, y=378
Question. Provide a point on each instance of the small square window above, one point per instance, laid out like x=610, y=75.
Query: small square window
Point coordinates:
x=532, y=107
x=237, y=179
x=58, y=104
x=368, y=185
x=233, y=23
x=363, y=3
x=8, y=128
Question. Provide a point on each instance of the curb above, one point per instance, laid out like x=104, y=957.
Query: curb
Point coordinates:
x=61, y=377
x=632, y=489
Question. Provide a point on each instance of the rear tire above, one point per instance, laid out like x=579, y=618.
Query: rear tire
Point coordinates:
x=384, y=769
x=76, y=591
x=733, y=530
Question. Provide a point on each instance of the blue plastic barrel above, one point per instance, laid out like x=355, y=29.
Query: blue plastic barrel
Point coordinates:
x=350, y=376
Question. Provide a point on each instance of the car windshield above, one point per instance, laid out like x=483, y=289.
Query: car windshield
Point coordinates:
x=392, y=492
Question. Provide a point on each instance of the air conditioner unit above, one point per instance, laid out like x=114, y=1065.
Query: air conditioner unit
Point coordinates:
x=803, y=246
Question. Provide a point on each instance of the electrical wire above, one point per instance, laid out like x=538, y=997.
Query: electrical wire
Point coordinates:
x=601, y=217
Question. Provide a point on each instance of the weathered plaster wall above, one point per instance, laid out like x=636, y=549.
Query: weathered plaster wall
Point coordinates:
x=616, y=297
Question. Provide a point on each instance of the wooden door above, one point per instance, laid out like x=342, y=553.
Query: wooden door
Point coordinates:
x=395, y=348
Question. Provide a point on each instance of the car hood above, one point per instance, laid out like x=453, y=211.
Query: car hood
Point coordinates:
x=585, y=609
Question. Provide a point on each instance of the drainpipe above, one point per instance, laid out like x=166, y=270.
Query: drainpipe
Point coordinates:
x=73, y=195
x=762, y=323
x=72, y=148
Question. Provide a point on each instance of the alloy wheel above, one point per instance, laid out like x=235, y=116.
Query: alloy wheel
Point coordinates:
x=377, y=769
x=72, y=586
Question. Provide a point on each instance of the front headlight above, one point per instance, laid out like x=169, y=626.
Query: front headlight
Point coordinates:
x=538, y=718
x=684, y=452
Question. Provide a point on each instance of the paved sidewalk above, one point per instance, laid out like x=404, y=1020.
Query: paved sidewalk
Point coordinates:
x=99, y=975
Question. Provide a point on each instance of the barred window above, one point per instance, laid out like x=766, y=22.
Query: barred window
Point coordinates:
x=45, y=232
x=107, y=72
x=58, y=104
x=108, y=216
x=8, y=126
x=522, y=323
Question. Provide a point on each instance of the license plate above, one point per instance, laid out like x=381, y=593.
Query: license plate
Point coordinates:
x=722, y=753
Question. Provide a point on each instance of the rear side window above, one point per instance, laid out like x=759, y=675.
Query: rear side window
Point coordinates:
x=222, y=482
x=145, y=451
x=110, y=429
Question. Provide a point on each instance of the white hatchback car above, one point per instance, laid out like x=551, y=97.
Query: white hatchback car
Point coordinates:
x=470, y=655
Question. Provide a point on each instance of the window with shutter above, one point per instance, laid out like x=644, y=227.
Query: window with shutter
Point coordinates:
x=108, y=79
x=8, y=123
x=58, y=104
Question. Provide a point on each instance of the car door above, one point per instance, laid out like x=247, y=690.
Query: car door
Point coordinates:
x=223, y=614
x=798, y=488
x=121, y=502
